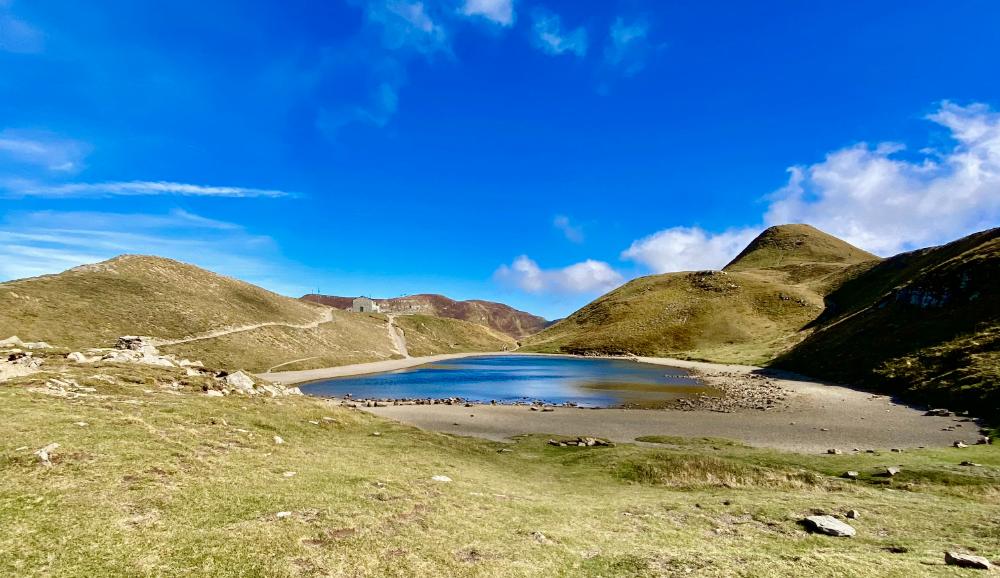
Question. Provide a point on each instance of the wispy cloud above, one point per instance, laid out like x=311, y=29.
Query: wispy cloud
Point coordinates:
x=43, y=149
x=44, y=242
x=18, y=36
x=408, y=25
x=550, y=37
x=27, y=188
x=572, y=232
x=498, y=11
x=628, y=47
x=585, y=277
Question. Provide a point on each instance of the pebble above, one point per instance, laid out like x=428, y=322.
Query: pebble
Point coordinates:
x=444, y=479
x=278, y=440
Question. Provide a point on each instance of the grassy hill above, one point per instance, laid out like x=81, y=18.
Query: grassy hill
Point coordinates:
x=747, y=313
x=925, y=324
x=497, y=316
x=91, y=306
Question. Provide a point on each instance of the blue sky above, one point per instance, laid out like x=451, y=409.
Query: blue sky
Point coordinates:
x=533, y=152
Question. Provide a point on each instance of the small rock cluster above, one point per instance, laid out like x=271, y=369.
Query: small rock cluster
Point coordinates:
x=740, y=391
x=242, y=383
x=66, y=388
x=581, y=442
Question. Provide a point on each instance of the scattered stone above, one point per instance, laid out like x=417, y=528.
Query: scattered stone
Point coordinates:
x=851, y=475
x=547, y=409
x=444, y=479
x=214, y=393
x=938, y=412
x=289, y=474
x=278, y=440
x=896, y=451
x=81, y=423
x=376, y=434
x=77, y=357
x=314, y=422
x=824, y=429
x=853, y=514
x=983, y=440
x=828, y=525
x=45, y=454
x=533, y=408
x=540, y=538
x=966, y=561
x=969, y=464
x=891, y=471
x=834, y=451
x=960, y=444
x=283, y=515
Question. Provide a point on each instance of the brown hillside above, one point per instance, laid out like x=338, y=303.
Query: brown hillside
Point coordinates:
x=497, y=316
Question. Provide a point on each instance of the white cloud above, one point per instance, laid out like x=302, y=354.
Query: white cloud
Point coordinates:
x=868, y=196
x=498, y=11
x=23, y=188
x=43, y=149
x=549, y=36
x=688, y=249
x=44, y=242
x=585, y=277
x=572, y=232
x=873, y=198
x=628, y=46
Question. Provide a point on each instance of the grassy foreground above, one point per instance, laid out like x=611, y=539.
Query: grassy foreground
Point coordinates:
x=163, y=480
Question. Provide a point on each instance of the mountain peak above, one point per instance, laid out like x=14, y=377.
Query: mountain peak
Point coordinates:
x=796, y=244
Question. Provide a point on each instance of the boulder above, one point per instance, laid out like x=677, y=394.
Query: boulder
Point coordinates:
x=828, y=525
x=77, y=357
x=966, y=561
x=851, y=474
x=960, y=444
x=891, y=471
x=240, y=381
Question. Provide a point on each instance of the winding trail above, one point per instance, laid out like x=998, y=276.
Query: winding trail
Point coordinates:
x=396, y=337
x=326, y=316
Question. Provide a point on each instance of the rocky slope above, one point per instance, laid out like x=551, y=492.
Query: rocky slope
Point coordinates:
x=500, y=317
x=925, y=324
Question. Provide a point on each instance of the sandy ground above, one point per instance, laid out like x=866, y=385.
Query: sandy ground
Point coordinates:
x=818, y=416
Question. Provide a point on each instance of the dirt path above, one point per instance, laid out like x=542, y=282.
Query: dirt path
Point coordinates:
x=396, y=337
x=326, y=316
x=818, y=416
x=270, y=369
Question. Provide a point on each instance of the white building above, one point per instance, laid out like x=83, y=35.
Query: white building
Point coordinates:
x=365, y=305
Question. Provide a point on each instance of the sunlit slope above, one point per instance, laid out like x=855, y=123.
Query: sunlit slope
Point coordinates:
x=747, y=313
x=233, y=324
x=138, y=295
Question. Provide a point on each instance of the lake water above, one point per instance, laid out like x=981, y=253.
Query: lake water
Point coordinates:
x=524, y=378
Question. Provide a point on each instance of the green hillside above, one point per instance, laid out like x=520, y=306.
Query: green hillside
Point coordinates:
x=925, y=324
x=238, y=325
x=747, y=313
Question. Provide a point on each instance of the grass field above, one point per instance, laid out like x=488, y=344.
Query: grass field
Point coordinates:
x=164, y=480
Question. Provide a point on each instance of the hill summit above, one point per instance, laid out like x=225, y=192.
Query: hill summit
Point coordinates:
x=784, y=245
